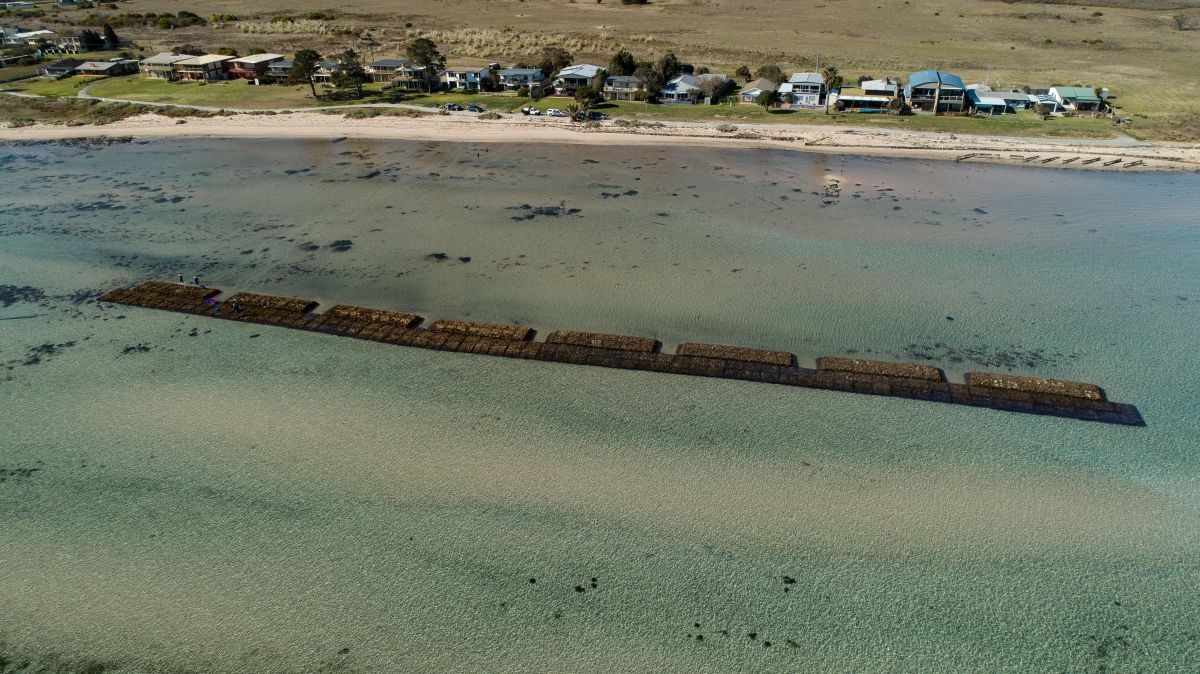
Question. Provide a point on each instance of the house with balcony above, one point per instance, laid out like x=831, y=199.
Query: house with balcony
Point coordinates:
x=804, y=91
x=624, y=88
x=324, y=72
x=575, y=77
x=935, y=91
x=402, y=75
x=206, y=68
x=512, y=79
x=161, y=66
x=465, y=78
x=252, y=67
x=278, y=71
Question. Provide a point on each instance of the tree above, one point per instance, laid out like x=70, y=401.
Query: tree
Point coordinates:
x=1043, y=110
x=554, y=59
x=771, y=72
x=831, y=79
x=304, y=67
x=111, y=41
x=423, y=52
x=1182, y=22
x=587, y=97
x=576, y=112
x=491, y=82
x=622, y=64
x=350, y=72
x=743, y=72
x=90, y=40
x=767, y=98
x=711, y=87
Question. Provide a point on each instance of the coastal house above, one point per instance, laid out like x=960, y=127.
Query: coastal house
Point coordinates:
x=402, y=75
x=752, y=90
x=7, y=31
x=206, y=68
x=1013, y=100
x=465, y=78
x=112, y=68
x=325, y=71
x=161, y=66
x=1079, y=100
x=690, y=89
x=986, y=104
x=624, y=88
x=512, y=79
x=61, y=68
x=935, y=91
x=806, y=91
x=278, y=71
x=575, y=77
x=885, y=86
x=20, y=4
x=33, y=38
x=253, y=67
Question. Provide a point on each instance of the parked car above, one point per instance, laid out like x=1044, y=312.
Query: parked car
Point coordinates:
x=453, y=107
x=590, y=116
x=474, y=108
x=555, y=112
x=530, y=111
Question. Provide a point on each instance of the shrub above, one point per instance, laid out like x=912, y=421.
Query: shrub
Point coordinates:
x=490, y=115
x=727, y=128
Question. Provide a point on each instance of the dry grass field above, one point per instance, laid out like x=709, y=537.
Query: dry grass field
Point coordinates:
x=1130, y=46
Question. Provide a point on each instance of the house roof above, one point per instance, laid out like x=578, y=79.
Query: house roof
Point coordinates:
x=204, y=60
x=622, y=79
x=64, y=63
x=280, y=65
x=98, y=66
x=510, y=72
x=166, y=58
x=982, y=98
x=387, y=63
x=1078, y=93
x=32, y=33
x=584, y=70
x=934, y=77
x=875, y=85
x=467, y=69
x=760, y=84
x=806, y=78
x=258, y=58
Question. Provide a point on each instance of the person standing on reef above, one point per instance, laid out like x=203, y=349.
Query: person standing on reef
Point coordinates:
x=181, y=278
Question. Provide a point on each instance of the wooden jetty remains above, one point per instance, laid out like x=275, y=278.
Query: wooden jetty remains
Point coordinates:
x=1030, y=395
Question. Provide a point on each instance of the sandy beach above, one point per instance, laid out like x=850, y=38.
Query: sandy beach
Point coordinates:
x=1121, y=154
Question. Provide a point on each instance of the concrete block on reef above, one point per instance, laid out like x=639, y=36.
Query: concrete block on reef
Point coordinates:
x=739, y=353
x=882, y=368
x=381, y=316
x=492, y=330
x=259, y=302
x=604, y=341
x=1012, y=382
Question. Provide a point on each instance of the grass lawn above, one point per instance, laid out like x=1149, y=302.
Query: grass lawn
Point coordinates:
x=11, y=73
x=234, y=94
x=68, y=86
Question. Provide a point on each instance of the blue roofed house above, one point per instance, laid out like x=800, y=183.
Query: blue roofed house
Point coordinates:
x=935, y=91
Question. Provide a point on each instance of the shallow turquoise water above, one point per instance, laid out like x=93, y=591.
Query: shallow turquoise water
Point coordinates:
x=232, y=502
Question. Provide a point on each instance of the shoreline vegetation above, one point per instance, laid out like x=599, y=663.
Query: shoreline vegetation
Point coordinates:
x=61, y=119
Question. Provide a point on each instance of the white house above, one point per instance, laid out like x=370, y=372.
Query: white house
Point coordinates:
x=807, y=91
x=1080, y=100
x=465, y=78
x=753, y=89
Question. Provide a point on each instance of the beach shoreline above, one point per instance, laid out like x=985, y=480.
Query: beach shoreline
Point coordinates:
x=1049, y=153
